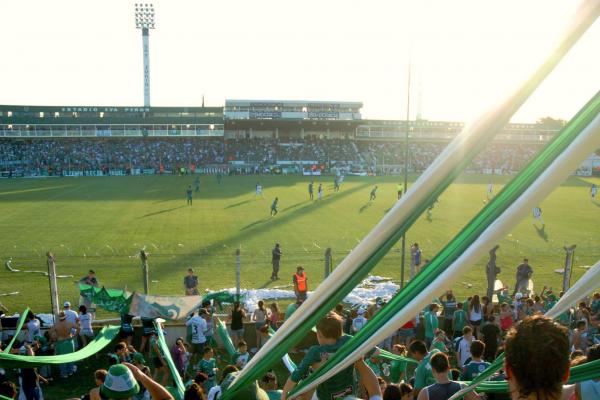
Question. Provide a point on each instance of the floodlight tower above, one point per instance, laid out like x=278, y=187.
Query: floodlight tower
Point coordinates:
x=144, y=20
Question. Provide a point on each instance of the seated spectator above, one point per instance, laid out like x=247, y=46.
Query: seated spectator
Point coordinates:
x=537, y=359
x=444, y=387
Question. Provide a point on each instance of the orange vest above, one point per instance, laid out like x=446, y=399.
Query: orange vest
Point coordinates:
x=301, y=282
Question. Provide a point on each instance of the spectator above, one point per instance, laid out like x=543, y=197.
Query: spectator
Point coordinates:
x=274, y=317
x=402, y=391
x=449, y=307
x=491, y=337
x=476, y=366
x=330, y=338
x=423, y=375
x=123, y=382
x=194, y=392
x=238, y=314
x=360, y=321
x=99, y=378
x=260, y=318
x=464, y=346
x=180, y=356
x=444, y=387
x=8, y=389
x=475, y=312
x=63, y=332
x=269, y=384
x=431, y=323
x=537, y=359
x=199, y=328
x=190, y=283
x=85, y=319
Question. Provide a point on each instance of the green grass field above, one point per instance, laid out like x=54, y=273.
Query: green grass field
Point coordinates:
x=101, y=223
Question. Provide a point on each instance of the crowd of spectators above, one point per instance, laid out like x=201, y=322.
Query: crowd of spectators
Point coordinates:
x=42, y=156
x=451, y=341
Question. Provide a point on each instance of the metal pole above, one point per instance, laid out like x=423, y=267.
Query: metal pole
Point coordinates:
x=146, y=48
x=327, y=262
x=568, y=270
x=403, y=256
x=237, y=274
x=51, y=262
x=145, y=272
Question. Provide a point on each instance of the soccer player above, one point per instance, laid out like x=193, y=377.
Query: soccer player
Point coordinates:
x=537, y=214
x=400, y=190
x=320, y=192
x=197, y=184
x=310, y=190
x=336, y=184
x=258, y=190
x=490, y=189
x=373, y=194
x=188, y=194
x=593, y=191
x=275, y=259
x=274, y=210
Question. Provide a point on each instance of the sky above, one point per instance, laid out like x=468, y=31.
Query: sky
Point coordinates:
x=464, y=54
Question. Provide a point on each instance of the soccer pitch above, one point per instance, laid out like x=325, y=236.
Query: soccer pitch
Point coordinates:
x=101, y=223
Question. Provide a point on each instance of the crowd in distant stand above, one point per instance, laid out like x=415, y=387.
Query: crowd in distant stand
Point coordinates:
x=41, y=156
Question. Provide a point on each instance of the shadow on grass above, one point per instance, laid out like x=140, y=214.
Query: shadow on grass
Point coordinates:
x=162, y=211
x=363, y=208
x=541, y=232
x=237, y=204
x=255, y=229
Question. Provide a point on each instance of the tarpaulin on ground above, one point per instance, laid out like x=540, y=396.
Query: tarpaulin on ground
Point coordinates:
x=167, y=307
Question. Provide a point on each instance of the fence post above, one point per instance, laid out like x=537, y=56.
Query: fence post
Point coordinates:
x=144, y=258
x=328, y=265
x=51, y=261
x=570, y=256
x=237, y=274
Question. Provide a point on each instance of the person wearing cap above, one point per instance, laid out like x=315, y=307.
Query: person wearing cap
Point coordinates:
x=300, y=283
x=63, y=332
x=123, y=382
x=70, y=314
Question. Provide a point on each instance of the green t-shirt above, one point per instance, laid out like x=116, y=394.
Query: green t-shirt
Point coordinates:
x=290, y=310
x=274, y=394
x=472, y=369
x=439, y=346
x=336, y=387
x=504, y=299
x=460, y=320
x=374, y=366
x=208, y=367
x=423, y=374
x=396, y=369
x=431, y=324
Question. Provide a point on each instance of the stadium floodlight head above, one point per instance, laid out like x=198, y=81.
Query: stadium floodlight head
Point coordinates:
x=144, y=20
x=144, y=15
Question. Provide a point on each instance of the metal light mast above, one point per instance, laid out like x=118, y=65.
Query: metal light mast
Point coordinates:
x=144, y=20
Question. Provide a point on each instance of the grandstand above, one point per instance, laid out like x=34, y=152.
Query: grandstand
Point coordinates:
x=244, y=136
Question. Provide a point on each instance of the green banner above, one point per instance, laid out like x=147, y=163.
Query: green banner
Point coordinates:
x=103, y=339
x=167, y=355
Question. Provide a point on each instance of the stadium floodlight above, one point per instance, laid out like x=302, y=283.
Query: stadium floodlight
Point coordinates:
x=144, y=20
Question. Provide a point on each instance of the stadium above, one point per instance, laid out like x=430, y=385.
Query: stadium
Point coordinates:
x=182, y=229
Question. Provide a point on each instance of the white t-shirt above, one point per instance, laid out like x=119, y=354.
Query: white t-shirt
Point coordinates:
x=214, y=393
x=71, y=316
x=358, y=323
x=33, y=329
x=86, y=322
x=464, y=350
x=199, y=328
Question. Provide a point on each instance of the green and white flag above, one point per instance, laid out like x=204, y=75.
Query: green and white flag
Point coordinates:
x=167, y=307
